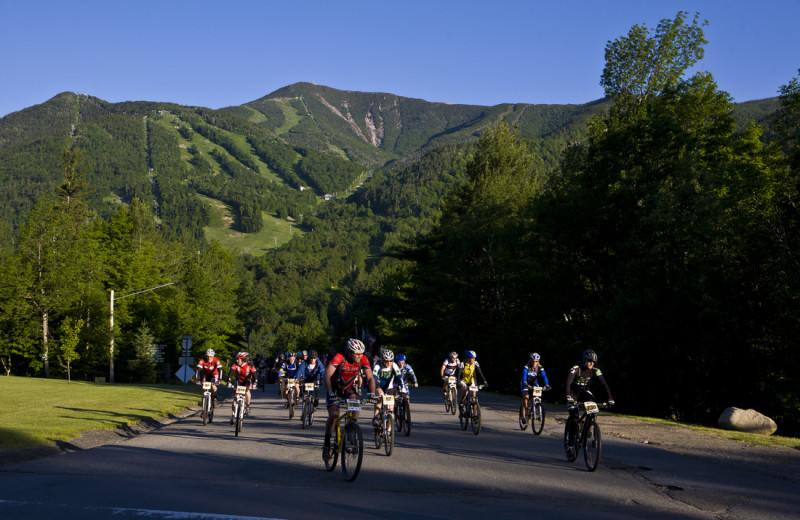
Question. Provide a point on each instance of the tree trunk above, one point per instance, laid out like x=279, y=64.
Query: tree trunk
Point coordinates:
x=46, y=356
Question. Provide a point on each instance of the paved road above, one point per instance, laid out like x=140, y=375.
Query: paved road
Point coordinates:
x=274, y=470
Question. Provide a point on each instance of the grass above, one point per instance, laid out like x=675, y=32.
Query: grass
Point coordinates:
x=42, y=412
x=274, y=232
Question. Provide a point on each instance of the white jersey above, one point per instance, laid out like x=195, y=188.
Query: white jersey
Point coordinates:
x=450, y=367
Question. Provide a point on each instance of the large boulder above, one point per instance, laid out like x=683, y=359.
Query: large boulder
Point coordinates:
x=749, y=421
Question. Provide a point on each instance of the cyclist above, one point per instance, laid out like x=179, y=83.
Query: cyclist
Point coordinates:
x=261, y=366
x=578, y=380
x=340, y=377
x=242, y=373
x=209, y=368
x=466, y=377
x=290, y=372
x=530, y=377
x=387, y=379
x=406, y=371
x=449, y=368
x=311, y=370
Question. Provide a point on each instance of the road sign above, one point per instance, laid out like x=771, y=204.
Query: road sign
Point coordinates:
x=184, y=374
x=186, y=360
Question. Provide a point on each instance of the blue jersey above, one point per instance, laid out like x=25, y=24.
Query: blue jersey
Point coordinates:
x=530, y=377
x=310, y=373
x=290, y=369
x=406, y=372
x=387, y=378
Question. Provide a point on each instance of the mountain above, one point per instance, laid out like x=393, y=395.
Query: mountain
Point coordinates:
x=273, y=157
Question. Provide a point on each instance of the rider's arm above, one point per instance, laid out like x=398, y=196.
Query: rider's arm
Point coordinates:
x=544, y=377
x=602, y=379
x=329, y=371
x=570, y=378
x=412, y=375
x=478, y=369
x=370, y=379
x=441, y=372
x=524, y=382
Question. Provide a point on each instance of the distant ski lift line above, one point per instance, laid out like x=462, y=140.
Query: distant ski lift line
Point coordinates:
x=145, y=290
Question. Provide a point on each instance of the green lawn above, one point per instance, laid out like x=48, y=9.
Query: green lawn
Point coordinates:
x=40, y=412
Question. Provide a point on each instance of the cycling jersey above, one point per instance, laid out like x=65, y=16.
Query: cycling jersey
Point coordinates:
x=386, y=377
x=530, y=376
x=345, y=375
x=289, y=369
x=209, y=370
x=450, y=367
x=578, y=380
x=244, y=373
x=406, y=372
x=467, y=372
x=310, y=372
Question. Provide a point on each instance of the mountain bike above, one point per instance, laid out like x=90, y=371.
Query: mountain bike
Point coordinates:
x=450, y=403
x=534, y=412
x=290, y=396
x=239, y=408
x=586, y=434
x=472, y=410
x=307, y=415
x=208, y=403
x=384, y=431
x=347, y=441
x=402, y=411
x=262, y=379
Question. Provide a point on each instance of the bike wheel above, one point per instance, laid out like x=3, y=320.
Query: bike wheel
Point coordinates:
x=537, y=424
x=211, y=411
x=333, y=453
x=304, y=413
x=571, y=449
x=453, y=405
x=238, y=418
x=406, y=419
x=353, y=451
x=447, y=401
x=476, y=418
x=399, y=416
x=291, y=403
x=463, y=418
x=591, y=445
x=206, y=406
x=310, y=416
x=388, y=434
x=378, y=432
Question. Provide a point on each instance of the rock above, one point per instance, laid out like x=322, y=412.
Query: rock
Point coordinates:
x=749, y=421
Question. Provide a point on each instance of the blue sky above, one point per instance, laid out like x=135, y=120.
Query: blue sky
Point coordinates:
x=217, y=54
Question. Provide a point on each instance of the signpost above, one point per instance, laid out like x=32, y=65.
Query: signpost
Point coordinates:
x=185, y=373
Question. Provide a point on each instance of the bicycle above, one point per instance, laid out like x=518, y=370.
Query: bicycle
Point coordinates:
x=587, y=435
x=472, y=410
x=208, y=403
x=347, y=441
x=402, y=412
x=290, y=396
x=384, y=432
x=534, y=412
x=262, y=379
x=240, y=408
x=450, y=396
x=307, y=415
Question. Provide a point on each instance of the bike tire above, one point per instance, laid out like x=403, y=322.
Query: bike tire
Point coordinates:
x=311, y=410
x=238, y=419
x=453, y=403
x=570, y=451
x=592, y=445
x=398, y=416
x=476, y=418
x=537, y=424
x=205, y=409
x=211, y=412
x=333, y=456
x=447, y=402
x=353, y=451
x=304, y=413
x=291, y=404
x=463, y=419
x=378, y=432
x=388, y=434
x=406, y=419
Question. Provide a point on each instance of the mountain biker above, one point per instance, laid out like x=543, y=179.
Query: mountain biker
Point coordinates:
x=242, y=373
x=387, y=379
x=290, y=372
x=466, y=376
x=209, y=368
x=406, y=371
x=261, y=365
x=578, y=380
x=340, y=377
x=530, y=377
x=312, y=371
x=449, y=368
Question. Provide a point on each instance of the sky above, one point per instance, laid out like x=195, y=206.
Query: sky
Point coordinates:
x=224, y=53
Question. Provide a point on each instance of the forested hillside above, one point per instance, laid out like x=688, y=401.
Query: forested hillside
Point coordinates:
x=657, y=226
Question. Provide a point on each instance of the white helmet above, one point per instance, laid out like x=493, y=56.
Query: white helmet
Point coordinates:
x=210, y=352
x=387, y=355
x=355, y=346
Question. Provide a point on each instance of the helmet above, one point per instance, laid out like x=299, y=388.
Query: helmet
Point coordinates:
x=535, y=356
x=242, y=355
x=292, y=354
x=210, y=352
x=355, y=346
x=470, y=354
x=305, y=352
x=387, y=355
x=400, y=357
x=454, y=354
x=313, y=354
x=589, y=355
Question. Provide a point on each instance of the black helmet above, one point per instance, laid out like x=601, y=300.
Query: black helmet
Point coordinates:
x=589, y=355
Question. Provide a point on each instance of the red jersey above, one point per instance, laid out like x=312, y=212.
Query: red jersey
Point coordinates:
x=346, y=372
x=210, y=368
x=244, y=373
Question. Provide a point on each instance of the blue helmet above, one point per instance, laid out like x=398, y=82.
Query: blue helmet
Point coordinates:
x=470, y=354
x=400, y=357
